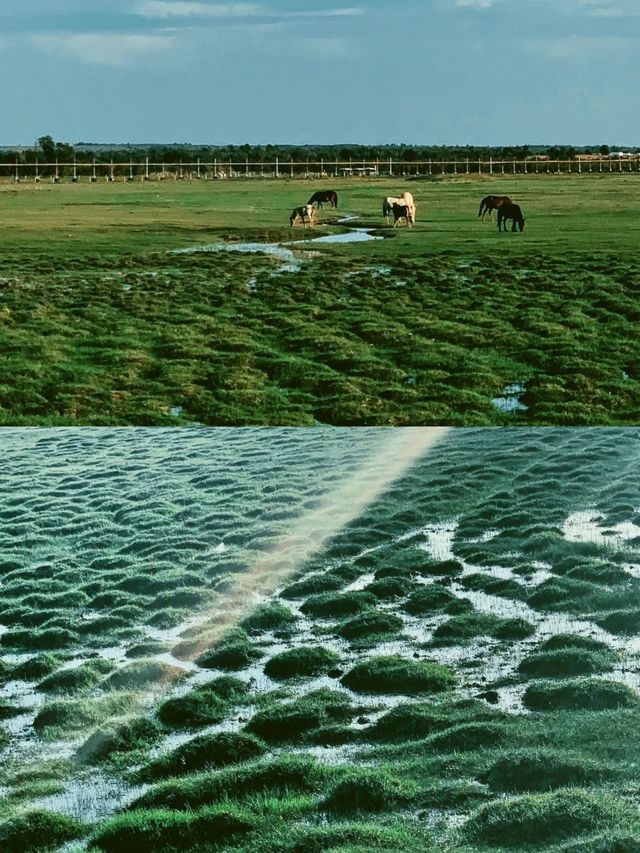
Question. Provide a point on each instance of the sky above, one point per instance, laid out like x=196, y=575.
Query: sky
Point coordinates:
x=433, y=72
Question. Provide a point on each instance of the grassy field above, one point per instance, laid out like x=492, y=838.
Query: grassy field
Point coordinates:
x=103, y=324
x=455, y=670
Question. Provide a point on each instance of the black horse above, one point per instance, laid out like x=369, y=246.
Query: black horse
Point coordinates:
x=512, y=211
x=401, y=211
x=324, y=195
x=492, y=202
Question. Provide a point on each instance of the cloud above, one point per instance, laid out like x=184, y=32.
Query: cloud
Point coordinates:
x=111, y=49
x=326, y=47
x=349, y=12
x=475, y=4
x=186, y=9
x=583, y=47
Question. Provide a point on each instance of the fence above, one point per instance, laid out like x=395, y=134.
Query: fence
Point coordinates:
x=96, y=170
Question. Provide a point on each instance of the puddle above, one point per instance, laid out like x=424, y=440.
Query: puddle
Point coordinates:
x=585, y=526
x=91, y=799
x=510, y=399
x=291, y=263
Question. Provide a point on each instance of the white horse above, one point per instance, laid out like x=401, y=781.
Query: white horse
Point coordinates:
x=406, y=200
x=305, y=213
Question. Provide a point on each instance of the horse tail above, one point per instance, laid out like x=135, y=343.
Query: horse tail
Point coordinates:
x=335, y=200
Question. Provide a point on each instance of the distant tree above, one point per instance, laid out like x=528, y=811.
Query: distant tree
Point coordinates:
x=47, y=146
x=604, y=150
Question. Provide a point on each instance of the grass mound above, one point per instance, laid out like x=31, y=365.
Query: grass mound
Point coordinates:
x=291, y=721
x=542, y=818
x=416, y=720
x=158, y=830
x=313, y=585
x=366, y=790
x=36, y=667
x=370, y=625
x=203, y=706
x=467, y=626
x=301, y=662
x=69, y=680
x=441, y=568
x=394, y=674
x=143, y=673
x=271, y=617
x=541, y=770
x=574, y=641
x=47, y=638
x=330, y=605
x=392, y=586
x=205, y=752
x=588, y=694
x=429, y=599
x=469, y=736
x=626, y=622
x=38, y=830
x=234, y=652
x=289, y=773
x=132, y=735
x=562, y=663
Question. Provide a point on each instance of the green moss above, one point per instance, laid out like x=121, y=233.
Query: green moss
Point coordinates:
x=300, y=662
x=38, y=830
x=394, y=674
x=588, y=694
x=542, y=819
x=205, y=752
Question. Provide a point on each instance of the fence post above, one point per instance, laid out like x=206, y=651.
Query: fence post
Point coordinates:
x=390, y=166
x=17, y=179
x=37, y=176
x=491, y=165
x=467, y=165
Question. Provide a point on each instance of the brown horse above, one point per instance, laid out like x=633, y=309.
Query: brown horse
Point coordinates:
x=512, y=211
x=492, y=202
x=324, y=195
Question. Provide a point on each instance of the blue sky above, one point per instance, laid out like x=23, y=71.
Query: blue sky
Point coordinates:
x=416, y=71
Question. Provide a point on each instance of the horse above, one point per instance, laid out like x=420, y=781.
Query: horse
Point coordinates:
x=509, y=210
x=406, y=200
x=490, y=203
x=401, y=211
x=305, y=213
x=324, y=195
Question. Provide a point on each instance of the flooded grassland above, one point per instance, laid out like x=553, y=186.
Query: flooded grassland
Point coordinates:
x=175, y=303
x=331, y=640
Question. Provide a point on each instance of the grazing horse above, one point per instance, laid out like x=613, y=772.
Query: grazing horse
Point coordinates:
x=305, y=213
x=324, y=195
x=401, y=211
x=405, y=200
x=509, y=210
x=490, y=203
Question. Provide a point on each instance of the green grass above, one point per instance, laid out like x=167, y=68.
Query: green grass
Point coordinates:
x=102, y=325
x=394, y=674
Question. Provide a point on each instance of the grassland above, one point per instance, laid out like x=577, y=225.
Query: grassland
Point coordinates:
x=456, y=670
x=103, y=324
